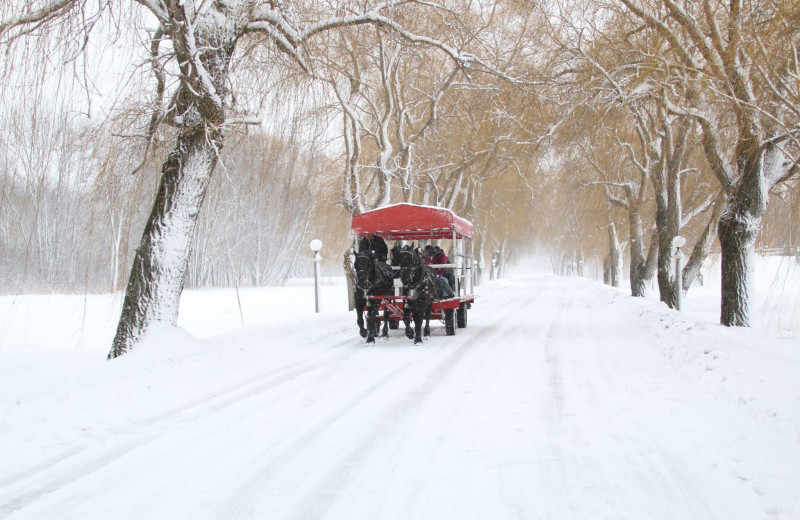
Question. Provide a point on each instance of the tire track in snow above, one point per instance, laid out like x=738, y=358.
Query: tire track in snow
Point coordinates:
x=661, y=478
x=375, y=431
x=394, y=424
x=60, y=471
x=555, y=469
x=516, y=496
x=387, y=424
x=242, y=503
x=619, y=456
x=508, y=322
x=315, y=466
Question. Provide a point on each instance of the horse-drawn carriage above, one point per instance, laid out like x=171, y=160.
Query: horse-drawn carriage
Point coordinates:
x=406, y=289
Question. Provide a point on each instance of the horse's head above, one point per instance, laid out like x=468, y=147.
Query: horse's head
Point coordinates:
x=410, y=262
x=365, y=268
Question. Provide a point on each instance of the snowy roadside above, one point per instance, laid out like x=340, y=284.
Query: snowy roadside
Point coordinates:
x=755, y=368
x=57, y=389
x=750, y=367
x=60, y=400
x=53, y=348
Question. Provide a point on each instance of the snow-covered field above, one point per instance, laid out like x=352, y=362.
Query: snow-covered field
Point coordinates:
x=562, y=399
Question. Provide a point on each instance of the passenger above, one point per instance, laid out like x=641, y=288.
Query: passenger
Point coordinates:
x=445, y=291
x=445, y=272
x=427, y=254
x=438, y=257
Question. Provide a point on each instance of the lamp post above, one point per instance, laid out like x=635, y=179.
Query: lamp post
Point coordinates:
x=678, y=242
x=315, y=246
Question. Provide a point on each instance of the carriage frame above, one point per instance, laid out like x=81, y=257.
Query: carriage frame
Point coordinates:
x=423, y=225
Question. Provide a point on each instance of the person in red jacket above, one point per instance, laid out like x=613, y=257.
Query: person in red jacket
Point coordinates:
x=439, y=258
x=445, y=272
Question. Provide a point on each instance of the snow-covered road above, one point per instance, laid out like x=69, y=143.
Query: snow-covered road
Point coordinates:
x=563, y=399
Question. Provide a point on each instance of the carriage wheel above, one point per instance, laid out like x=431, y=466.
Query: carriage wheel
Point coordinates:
x=393, y=324
x=461, y=316
x=449, y=322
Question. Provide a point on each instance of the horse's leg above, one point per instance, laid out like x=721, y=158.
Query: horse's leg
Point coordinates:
x=372, y=311
x=385, y=333
x=418, y=317
x=360, y=320
x=407, y=318
x=428, y=310
x=360, y=317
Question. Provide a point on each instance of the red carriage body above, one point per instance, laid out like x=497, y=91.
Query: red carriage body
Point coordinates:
x=412, y=222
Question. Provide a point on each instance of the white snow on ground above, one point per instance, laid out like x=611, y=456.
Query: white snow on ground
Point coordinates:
x=562, y=399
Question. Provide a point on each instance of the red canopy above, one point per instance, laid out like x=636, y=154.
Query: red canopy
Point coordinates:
x=412, y=222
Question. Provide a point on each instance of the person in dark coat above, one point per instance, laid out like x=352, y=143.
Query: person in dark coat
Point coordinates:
x=376, y=244
x=427, y=254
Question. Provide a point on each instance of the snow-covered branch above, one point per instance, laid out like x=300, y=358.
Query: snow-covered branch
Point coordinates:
x=700, y=208
x=641, y=167
x=156, y=7
x=616, y=201
x=627, y=187
x=692, y=27
x=35, y=18
x=712, y=146
x=194, y=54
x=291, y=37
x=663, y=29
x=778, y=166
x=246, y=120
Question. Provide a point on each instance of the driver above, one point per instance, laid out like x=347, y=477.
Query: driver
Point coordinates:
x=374, y=243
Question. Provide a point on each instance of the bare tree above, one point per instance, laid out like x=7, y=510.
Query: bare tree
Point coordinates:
x=740, y=68
x=194, y=48
x=390, y=96
x=44, y=231
x=622, y=168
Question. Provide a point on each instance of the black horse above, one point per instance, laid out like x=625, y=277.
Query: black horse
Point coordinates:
x=419, y=281
x=373, y=278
